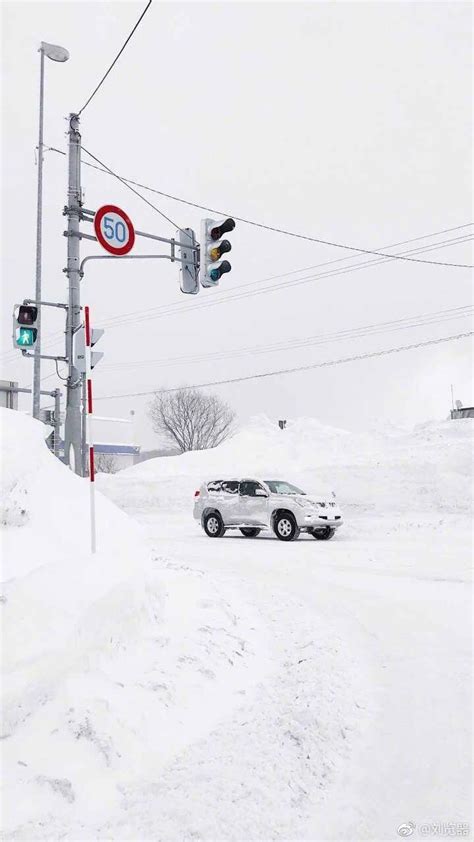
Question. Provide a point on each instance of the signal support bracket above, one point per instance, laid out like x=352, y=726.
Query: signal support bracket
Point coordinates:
x=44, y=356
x=45, y=303
x=129, y=257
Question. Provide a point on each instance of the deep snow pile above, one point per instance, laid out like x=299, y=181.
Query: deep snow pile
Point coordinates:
x=219, y=689
x=395, y=472
x=111, y=663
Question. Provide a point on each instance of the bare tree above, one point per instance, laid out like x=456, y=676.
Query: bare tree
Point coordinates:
x=191, y=419
x=105, y=463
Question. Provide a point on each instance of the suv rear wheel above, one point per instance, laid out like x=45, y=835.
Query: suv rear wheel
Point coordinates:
x=250, y=531
x=213, y=525
x=285, y=527
x=323, y=534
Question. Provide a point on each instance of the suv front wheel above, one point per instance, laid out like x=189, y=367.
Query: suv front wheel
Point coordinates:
x=324, y=534
x=213, y=525
x=285, y=527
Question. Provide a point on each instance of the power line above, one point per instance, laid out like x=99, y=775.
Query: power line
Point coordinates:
x=151, y=314
x=274, y=229
x=310, y=341
x=297, y=344
x=235, y=295
x=117, y=56
x=150, y=204
x=292, y=370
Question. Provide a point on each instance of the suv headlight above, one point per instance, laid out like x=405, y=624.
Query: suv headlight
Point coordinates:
x=305, y=504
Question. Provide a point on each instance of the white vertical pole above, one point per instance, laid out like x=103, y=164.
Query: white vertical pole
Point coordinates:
x=39, y=226
x=89, y=437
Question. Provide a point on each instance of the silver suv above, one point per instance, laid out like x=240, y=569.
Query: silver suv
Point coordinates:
x=253, y=504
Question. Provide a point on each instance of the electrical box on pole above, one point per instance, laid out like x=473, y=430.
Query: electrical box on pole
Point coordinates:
x=80, y=348
x=212, y=249
x=25, y=317
x=189, y=270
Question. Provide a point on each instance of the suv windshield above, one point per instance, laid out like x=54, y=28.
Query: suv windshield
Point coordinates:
x=278, y=486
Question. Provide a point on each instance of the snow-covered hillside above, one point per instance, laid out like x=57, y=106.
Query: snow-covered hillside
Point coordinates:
x=425, y=471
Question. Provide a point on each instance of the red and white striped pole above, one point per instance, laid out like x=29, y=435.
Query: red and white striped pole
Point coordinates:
x=89, y=436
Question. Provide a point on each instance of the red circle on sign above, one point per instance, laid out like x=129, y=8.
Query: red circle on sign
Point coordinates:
x=101, y=213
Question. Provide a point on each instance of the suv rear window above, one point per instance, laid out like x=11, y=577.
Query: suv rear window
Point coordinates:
x=230, y=486
x=215, y=485
x=219, y=485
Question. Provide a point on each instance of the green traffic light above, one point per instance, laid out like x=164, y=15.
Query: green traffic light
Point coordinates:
x=217, y=273
x=26, y=337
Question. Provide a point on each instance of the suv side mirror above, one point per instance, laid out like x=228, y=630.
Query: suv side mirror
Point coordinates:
x=260, y=492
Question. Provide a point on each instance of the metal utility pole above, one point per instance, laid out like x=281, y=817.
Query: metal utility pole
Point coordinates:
x=72, y=430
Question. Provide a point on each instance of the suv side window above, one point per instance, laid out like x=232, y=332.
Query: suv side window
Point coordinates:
x=230, y=487
x=215, y=485
x=249, y=487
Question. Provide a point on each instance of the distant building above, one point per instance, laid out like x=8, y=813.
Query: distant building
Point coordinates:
x=144, y=455
x=8, y=395
x=113, y=440
x=463, y=412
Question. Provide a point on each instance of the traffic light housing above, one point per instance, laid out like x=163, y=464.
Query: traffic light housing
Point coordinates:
x=79, y=355
x=213, y=247
x=25, y=333
x=189, y=271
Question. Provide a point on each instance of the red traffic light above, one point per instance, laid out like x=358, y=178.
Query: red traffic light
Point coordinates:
x=27, y=314
x=219, y=230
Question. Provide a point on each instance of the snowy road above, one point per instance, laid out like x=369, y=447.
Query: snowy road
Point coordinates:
x=175, y=687
x=400, y=624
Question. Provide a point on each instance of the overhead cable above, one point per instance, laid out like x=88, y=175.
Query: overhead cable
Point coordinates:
x=275, y=229
x=117, y=56
x=150, y=204
x=427, y=319
x=291, y=370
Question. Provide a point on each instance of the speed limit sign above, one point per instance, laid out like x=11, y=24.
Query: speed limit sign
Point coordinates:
x=114, y=230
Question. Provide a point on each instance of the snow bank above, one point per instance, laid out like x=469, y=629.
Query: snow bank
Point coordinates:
x=111, y=663
x=396, y=472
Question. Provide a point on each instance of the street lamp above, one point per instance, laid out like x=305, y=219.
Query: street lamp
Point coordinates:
x=55, y=53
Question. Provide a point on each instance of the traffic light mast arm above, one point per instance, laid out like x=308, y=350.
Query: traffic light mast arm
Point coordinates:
x=171, y=257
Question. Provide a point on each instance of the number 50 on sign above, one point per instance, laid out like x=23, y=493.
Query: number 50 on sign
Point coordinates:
x=114, y=230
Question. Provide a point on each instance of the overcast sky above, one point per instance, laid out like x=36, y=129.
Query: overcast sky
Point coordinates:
x=349, y=122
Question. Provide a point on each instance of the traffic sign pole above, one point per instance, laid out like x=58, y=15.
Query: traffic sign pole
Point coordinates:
x=89, y=433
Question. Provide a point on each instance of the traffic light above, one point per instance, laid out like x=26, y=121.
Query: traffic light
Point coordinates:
x=212, y=249
x=25, y=333
x=189, y=273
x=80, y=348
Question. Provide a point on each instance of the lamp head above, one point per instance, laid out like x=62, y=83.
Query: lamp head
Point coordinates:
x=54, y=52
